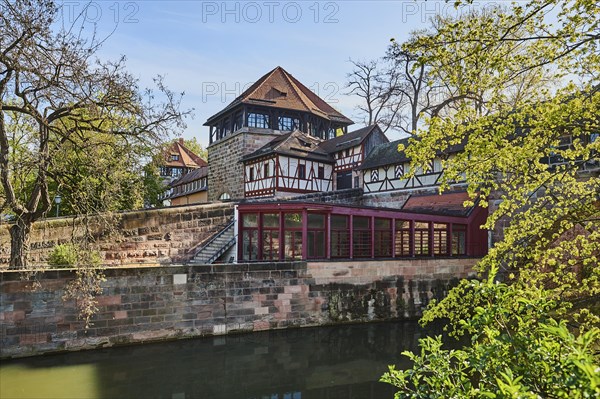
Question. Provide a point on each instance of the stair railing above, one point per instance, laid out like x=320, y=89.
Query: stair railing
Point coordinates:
x=214, y=238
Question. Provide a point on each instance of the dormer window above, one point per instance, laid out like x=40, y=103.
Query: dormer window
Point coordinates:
x=174, y=157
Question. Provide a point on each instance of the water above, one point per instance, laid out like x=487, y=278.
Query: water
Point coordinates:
x=324, y=363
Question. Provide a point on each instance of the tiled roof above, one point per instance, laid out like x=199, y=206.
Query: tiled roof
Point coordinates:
x=387, y=154
x=295, y=144
x=186, y=158
x=448, y=204
x=191, y=176
x=349, y=140
x=279, y=89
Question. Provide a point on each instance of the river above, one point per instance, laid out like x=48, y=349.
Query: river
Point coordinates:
x=324, y=363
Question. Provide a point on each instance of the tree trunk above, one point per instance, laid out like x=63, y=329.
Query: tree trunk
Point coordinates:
x=19, y=242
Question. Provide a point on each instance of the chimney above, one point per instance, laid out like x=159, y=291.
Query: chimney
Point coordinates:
x=181, y=140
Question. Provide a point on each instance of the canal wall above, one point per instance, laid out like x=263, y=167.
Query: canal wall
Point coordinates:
x=144, y=304
x=152, y=236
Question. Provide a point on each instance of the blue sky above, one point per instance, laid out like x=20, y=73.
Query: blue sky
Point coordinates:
x=211, y=50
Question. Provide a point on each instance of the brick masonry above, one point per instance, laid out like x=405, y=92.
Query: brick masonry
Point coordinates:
x=173, y=302
x=153, y=236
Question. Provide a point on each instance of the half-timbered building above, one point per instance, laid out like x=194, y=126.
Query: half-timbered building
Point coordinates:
x=288, y=165
x=349, y=152
x=275, y=105
x=386, y=169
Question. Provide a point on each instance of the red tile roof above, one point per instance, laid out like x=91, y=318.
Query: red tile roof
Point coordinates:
x=186, y=158
x=279, y=89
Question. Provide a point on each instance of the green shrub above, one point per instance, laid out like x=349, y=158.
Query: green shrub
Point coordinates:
x=63, y=255
x=71, y=255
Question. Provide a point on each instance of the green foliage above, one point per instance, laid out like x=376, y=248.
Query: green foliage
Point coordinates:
x=63, y=255
x=517, y=349
x=536, y=334
x=71, y=255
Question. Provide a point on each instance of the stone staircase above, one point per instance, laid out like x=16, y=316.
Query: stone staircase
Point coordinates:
x=215, y=247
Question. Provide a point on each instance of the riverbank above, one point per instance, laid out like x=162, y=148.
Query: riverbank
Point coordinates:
x=147, y=304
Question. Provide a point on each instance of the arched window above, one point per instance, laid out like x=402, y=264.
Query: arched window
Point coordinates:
x=224, y=197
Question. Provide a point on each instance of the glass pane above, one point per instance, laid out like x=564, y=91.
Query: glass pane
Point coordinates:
x=316, y=221
x=270, y=245
x=250, y=220
x=440, y=226
x=339, y=221
x=360, y=222
x=249, y=244
x=458, y=242
x=457, y=227
x=270, y=220
x=421, y=225
x=340, y=244
x=383, y=224
x=422, y=242
x=293, y=245
x=402, y=224
x=293, y=220
x=402, y=242
x=383, y=243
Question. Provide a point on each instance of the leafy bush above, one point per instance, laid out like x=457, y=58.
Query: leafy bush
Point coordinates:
x=63, y=255
x=71, y=255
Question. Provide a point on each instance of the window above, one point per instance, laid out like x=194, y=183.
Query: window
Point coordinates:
x=459, y=239
x=292, y=233
x=270, y=236
x=399, y=171
x=421, y=238
x=321, y=172
x=224, y=197
x=258, y=120
x=356, y=182
x=440, y=239
x=301, y=171
x=383, y=237
x=174, y=157
x=251, y=173
x=267, y=171
x=250, y=236
x=361, y=237
x=287, y=123
x=340, y=236
x=402, y=241
x=316, y=236
x=375, y=175
x=348, y=152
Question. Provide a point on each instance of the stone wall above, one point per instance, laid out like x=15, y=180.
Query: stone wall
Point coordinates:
x=159, y=303
x=225, y=169
x=149, y=236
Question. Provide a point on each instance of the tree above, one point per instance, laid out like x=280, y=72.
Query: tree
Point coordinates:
x=535, y=159
x=376, y=85
x=54, y=94
x=416, y=85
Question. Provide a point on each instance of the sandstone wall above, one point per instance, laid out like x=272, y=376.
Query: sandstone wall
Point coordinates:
x=146, y=236
x=225, y=169
x=159, y=303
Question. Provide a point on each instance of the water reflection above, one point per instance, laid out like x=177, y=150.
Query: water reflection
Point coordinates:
x=327, y=362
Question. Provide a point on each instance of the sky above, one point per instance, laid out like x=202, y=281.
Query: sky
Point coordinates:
x=213, y=50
